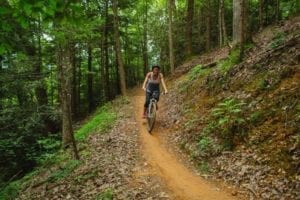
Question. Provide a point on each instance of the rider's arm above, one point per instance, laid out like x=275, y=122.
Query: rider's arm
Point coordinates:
x=145, y=82
x=163, y=83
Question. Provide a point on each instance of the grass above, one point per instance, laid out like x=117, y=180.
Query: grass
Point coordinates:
x=100, y=122
x=105, y=195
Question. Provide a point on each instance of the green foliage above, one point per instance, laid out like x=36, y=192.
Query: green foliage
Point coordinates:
x=225, y=65
x=106, y=195
x=204, y=167
x=103, y=119
x=64, y=171
x=197, y=72
x=227, y=121
x=278, y=40
x=11, y=191
x=256, y=117
x=204, y=143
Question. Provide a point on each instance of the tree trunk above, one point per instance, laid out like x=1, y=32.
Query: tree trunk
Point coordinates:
x=189, y=27
x=222, y=25
x=145, y=38
x=170, y=35
x=90, y=79
x=277, y=11
x=208, y=26
x=243, y=29
x=118, y=48
x=65, y=73
x=236, y=32
x=74, y=81
x=261, y=19
x=106, y=59
x=41, y=92
x=79, y=81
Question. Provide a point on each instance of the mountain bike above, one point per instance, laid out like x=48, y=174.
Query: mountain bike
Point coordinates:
x=151, y=111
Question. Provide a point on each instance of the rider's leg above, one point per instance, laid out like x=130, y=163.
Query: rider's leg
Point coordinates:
x=147, y=101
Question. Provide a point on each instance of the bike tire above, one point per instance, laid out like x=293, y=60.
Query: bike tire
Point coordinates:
x=151, y=116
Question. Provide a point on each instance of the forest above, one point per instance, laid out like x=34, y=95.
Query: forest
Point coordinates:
x=62, y=60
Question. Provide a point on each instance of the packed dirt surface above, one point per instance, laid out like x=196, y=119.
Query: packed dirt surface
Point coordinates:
x=182, y=182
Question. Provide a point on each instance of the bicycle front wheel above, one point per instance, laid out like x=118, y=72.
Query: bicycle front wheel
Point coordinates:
x=151, y=116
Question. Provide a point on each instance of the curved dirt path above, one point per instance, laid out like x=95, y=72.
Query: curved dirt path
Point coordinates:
x=182, y=183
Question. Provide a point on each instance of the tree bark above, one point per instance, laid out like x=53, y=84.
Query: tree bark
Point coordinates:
x=40, y=90
x=118, y=48
x=222, y=25
x=65, y=76
x=170, y=35
x=236, y=32
x=277, y=11
x=74, y=81
x=261, y=19
x=106, y=60
x=90, y=80
x=243, y=29
x=189, y=27
x=208, y=26
x=145, y=38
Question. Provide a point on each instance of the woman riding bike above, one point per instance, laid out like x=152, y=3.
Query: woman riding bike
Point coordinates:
x=151, y=85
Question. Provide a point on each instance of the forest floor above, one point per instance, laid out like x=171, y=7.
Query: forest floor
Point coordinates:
x=125, y=163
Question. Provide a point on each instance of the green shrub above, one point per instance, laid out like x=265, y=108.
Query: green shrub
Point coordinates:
x=106, y=195
x=198, y=71
x=227, y=120
x=11, y=191
x=225, y=65
x=64, y=171
x=101, y=122
x=278, y=40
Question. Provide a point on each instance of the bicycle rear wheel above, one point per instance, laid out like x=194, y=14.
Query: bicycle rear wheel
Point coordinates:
x=151, y=116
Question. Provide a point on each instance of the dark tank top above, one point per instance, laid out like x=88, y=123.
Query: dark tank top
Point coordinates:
x=153, y=84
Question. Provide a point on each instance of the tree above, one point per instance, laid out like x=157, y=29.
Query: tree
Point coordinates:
x=208, y=25
x=118, y=52
x=65, y=72
x=222, y=25
x=170, y=36
x=189, y=27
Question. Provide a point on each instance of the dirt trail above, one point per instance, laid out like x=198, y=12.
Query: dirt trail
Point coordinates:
x=183, y=184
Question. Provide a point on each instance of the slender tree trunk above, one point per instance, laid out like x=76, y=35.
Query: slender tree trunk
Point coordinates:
x=74, y=81
x=222, y=25
x=236, y=32
x=118, y=48
x=208, y=26
x=79, y=81
x=40, y=90
x=106, y=63
x=145, y=38
x=277, y=11
x=170, y=35
x=189, y=27
x=65, y=73
x=243, y=28
x=261, y=19
x=90, y=79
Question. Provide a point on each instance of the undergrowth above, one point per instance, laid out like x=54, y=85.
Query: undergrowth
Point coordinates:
x=100, y=122
x=225, y=65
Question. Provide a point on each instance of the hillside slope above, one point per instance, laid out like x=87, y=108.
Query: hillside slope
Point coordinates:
x=240, y=122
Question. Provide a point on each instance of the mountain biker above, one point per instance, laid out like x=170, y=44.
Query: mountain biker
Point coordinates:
x=151, y=85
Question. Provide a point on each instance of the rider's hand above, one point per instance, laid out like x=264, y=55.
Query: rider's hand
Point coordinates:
x=144, y=88
x=166, y=91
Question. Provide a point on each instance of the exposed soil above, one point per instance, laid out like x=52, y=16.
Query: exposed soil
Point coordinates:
x=181, y=181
